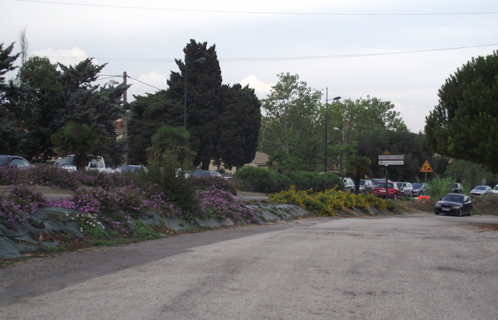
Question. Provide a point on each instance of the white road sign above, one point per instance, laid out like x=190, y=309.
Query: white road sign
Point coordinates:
x=391, y=162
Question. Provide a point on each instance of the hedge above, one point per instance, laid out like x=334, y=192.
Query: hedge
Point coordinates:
x=268, y=181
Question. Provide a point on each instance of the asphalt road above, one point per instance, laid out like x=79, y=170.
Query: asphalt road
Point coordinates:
x=401, y=267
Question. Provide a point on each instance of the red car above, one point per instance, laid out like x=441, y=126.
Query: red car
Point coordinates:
x=393, y=191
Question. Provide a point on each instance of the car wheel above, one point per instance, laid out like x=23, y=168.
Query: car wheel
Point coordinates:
x=470, y=212
x=460, y=213
x=411, y=194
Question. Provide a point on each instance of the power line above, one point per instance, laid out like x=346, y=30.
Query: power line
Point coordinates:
x=263, y=59
x=261, y=12
x=110, y=76
x=145, y=83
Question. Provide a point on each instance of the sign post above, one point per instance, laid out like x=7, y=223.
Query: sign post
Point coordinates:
x=387, y=160
x=426, y=167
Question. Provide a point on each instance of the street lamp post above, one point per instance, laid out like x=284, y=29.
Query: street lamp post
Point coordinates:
x=326, y=121
x=200, y=60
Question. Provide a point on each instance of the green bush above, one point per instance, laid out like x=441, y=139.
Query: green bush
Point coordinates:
x=269, y=181
x=165, y=178
x=262, y=180
x=439, y=187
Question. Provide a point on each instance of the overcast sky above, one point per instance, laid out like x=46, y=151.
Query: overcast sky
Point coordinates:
x=395, y=50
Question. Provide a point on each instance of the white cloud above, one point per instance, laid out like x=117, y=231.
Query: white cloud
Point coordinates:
x=259, y=86
x=64, y=56
x=149, y=83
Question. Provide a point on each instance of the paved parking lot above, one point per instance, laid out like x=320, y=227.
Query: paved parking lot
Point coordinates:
x=395, y=267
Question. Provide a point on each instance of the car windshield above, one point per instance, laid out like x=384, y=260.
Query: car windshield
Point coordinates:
x=480, y=188
x=3, y=161
x=453, y=198
x=495, y=188
x=417, y=185
x=67, y=161
x=383, y=185
x=362, y=183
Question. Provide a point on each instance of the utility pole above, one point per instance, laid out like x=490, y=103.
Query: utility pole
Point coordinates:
x=125, y=133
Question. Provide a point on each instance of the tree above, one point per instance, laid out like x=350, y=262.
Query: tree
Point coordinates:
x=41, y=106
x=412, y=145
x=291, y=122
x=10, y=135
x=464, y=124
x=171, y=141
x=239, y=125
x=358, y=168
x=81, y=140
x=203, y=100
x=58, y=94
x=149, y=113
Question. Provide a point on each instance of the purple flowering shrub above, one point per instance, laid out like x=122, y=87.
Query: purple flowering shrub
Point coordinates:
x=19, y=202
x=222, y=206
x=220, y=183
x=116, y=207
x=12, y=175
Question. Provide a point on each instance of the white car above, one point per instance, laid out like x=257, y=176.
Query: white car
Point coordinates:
x=495, y=190
x=95, y=163
x=480, y=191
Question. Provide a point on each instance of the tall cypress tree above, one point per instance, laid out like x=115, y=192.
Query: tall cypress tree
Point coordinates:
x=239, y=124
x=9, y=131
x=203, y=99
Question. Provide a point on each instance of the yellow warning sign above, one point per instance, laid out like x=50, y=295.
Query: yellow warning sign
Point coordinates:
x=426, y=167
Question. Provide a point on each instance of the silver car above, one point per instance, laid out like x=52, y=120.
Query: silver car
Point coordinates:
x=480, y=191
x=407, y=188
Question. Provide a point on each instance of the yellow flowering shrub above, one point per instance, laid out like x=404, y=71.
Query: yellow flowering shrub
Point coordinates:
x=326, y=203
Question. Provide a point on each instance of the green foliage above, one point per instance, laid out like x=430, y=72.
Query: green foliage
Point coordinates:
x=290, y=122
x=464, y=125
x=239, y=125
x=412, y=145
x=326, y=203
x=171, y=141
x=439, y=187
x=281, y=161
x=144, y=232
x=149, y=113
x=268, y=181
x=207, y=182
x=470, y=174
x=167, y=177
x=10, y=137
x=81, y=140
x=203, y=99
x=262, y=180
x=358, y=168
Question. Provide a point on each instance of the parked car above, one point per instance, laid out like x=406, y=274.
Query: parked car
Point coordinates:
x=495, y=190
x=481, y=191
x=203, y=173
x=418, y=188
x=348, y=184
x=14, y=161
x=457, y=188
x=131, y=168
x=454, y=203
x=393, y=191
x=407, y=188
x=96, y=162
x=366, y=186
x=376, y=181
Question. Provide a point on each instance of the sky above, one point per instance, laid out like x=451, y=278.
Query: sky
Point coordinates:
x=394, y=50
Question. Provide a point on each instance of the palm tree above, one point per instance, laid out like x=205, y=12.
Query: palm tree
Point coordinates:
x=358, y=168
x=79, y=139
x=171, y=140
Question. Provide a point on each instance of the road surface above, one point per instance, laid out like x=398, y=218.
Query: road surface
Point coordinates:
x=395, y=267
